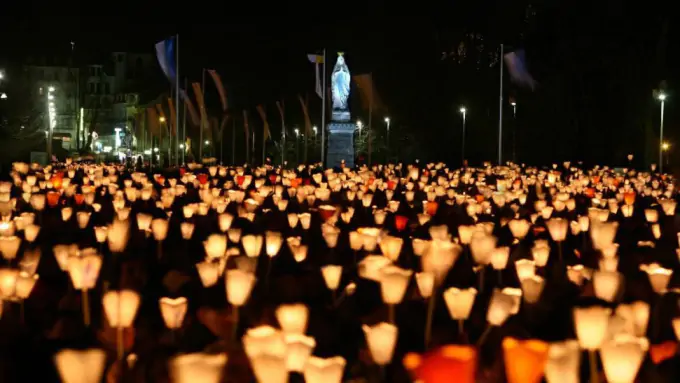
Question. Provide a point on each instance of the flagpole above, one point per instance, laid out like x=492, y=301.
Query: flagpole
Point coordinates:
x=176, y=105
x=500, y=113
x=200, y=144
x=323, y=111
x=283, y=134
x=184, y=125
x=370, y=121
x=264, y=140
x=233, y=142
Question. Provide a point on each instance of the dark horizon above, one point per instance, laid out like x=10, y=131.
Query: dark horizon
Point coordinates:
x=596, y=65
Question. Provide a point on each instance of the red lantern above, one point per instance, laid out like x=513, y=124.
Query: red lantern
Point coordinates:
x=272, y=179
x=629, y=197
x=663, y=351
x=400, y=222
x=447, y=364
x=240, y=180
x=590, y=192
x=431, y=208
x=391, y=185
x=326, y=212
x=203, y=178
x=295, y=182
x=182, y=172
x=79, y=198
x=57, y=179
x=53, y=198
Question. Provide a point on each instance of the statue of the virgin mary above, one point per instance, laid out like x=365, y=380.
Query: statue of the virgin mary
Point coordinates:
x=340, y=82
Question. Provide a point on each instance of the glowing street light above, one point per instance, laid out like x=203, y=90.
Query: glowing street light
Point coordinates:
x=181, y=146
x=387, y=121
x=2, y=75
x=117, y=138
x=161, y=119
x=360, y=125
x=52, y=120
x=665, y=146
x=463, y=111
x=297, y=132
x=207, y=142
x=662, y=97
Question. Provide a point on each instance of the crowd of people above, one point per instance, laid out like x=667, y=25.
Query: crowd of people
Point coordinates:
x=387, y=273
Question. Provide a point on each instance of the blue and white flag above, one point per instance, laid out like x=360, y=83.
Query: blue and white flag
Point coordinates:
x=165, y=52
x=518, y=69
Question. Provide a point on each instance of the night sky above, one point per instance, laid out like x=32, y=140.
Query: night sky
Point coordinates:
x=596, y=63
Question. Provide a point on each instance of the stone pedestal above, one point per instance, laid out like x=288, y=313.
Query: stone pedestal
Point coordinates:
x=340, y=144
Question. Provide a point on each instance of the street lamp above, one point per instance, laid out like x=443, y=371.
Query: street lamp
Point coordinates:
x=662, y=98
x=297, y=150
x=359, y=125
x=117, y=141
x=387, y=121
x=463, y=111
x=514, y=131
x=2, y=75
x=207, y=142
x=666, y=147
x=52, y=120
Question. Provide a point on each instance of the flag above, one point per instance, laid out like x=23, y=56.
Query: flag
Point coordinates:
x=152, y=121
x=317, y=59
x=165, y=53
x=281, y=106
x=213, y=126
x=305, y=112
x=517, y=68
x=369, y=95
x=225, y=118
x=173, y=116
x=190, y=107
x=198, y=93
x=266, y=134
x=220, y=87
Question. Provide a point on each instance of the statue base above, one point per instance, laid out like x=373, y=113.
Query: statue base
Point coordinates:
x=340, y=115
x=340, y=144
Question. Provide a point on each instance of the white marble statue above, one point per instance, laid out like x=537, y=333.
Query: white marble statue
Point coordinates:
x=340, y=82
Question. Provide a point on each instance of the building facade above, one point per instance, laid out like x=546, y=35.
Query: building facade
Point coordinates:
x=65, y=80
x=95, y=101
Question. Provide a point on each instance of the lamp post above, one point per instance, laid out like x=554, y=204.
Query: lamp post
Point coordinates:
x=463, y=111
x=666, y=148
x=297, y=150
x=52, y=120
x=387, y=121
x=662, y=98
x=315, y=135
x=160, y=141
x=514, y=131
